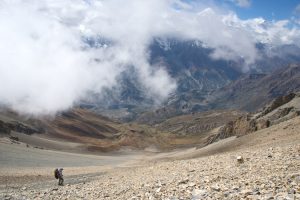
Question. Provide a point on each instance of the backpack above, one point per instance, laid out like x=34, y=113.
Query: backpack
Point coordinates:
x=56, y=173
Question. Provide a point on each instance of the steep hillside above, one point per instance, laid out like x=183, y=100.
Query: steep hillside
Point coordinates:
x=101, y=133
x=80, y=123
x=279, y=110
x=198, y=123
x=198, y=77
x=249, y=93
x=188, y=63
x=82, y=130
x=253, y=91
x=90, y=131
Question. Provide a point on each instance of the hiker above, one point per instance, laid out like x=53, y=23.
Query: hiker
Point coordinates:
x=58, y=175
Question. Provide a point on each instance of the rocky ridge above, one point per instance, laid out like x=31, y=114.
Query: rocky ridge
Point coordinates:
x=253, y=91
x=7, y=127
x=198, y=123
x=280, y=109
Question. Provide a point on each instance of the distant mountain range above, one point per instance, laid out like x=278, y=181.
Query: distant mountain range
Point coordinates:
x=248, y=93
x=203, y=83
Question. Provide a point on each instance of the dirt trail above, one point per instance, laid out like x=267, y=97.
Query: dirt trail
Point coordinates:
x=21, y=165
x=18, y=155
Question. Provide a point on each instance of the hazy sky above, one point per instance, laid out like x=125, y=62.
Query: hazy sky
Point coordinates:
x=46, y=66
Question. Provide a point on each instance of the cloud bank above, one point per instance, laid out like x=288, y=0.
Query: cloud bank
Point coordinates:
x=47, y=65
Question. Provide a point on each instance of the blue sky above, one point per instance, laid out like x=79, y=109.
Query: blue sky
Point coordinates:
x=268, y=9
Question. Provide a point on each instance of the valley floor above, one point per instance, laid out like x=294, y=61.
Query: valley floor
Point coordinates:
x=271, y=170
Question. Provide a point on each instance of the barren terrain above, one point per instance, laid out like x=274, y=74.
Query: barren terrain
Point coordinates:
x=270, y=170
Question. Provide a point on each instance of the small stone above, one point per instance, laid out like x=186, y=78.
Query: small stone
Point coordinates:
x=256, y=191
x=183, y=181
x=216, y=188
x=226, y=193
x=192, y=184
x=159, y=184
x=246, y=192
x=158, y=190
x=240, y=159
x=199, y=193
x=6, y=197
x=235, y=187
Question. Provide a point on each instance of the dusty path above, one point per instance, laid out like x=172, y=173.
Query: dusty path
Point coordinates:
x=17, y=155
x=21, y=165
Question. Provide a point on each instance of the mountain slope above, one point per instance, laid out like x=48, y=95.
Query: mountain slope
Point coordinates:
x=198, y=123
x=187, y=62
x=249, y=93
x=82, y=127
x=255, y=90
x=196, y=73
x=279, y=110
x=80, y=130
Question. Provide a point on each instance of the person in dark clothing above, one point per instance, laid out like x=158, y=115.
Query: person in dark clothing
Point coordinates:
x=60, y=176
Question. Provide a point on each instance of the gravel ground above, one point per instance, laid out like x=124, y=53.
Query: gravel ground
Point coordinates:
x=265, y=167
x=271, y=173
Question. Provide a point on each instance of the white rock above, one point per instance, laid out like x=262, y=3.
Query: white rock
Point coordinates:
x=158, y=190
x=240, y=159
x=197, y=194
x=215, y=188
x=192, y=184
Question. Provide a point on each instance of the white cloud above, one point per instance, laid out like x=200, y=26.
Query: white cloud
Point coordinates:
x=296, y=15
x=297, y=9
x=46, y=67
x=275, y=33
x=242, y=3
